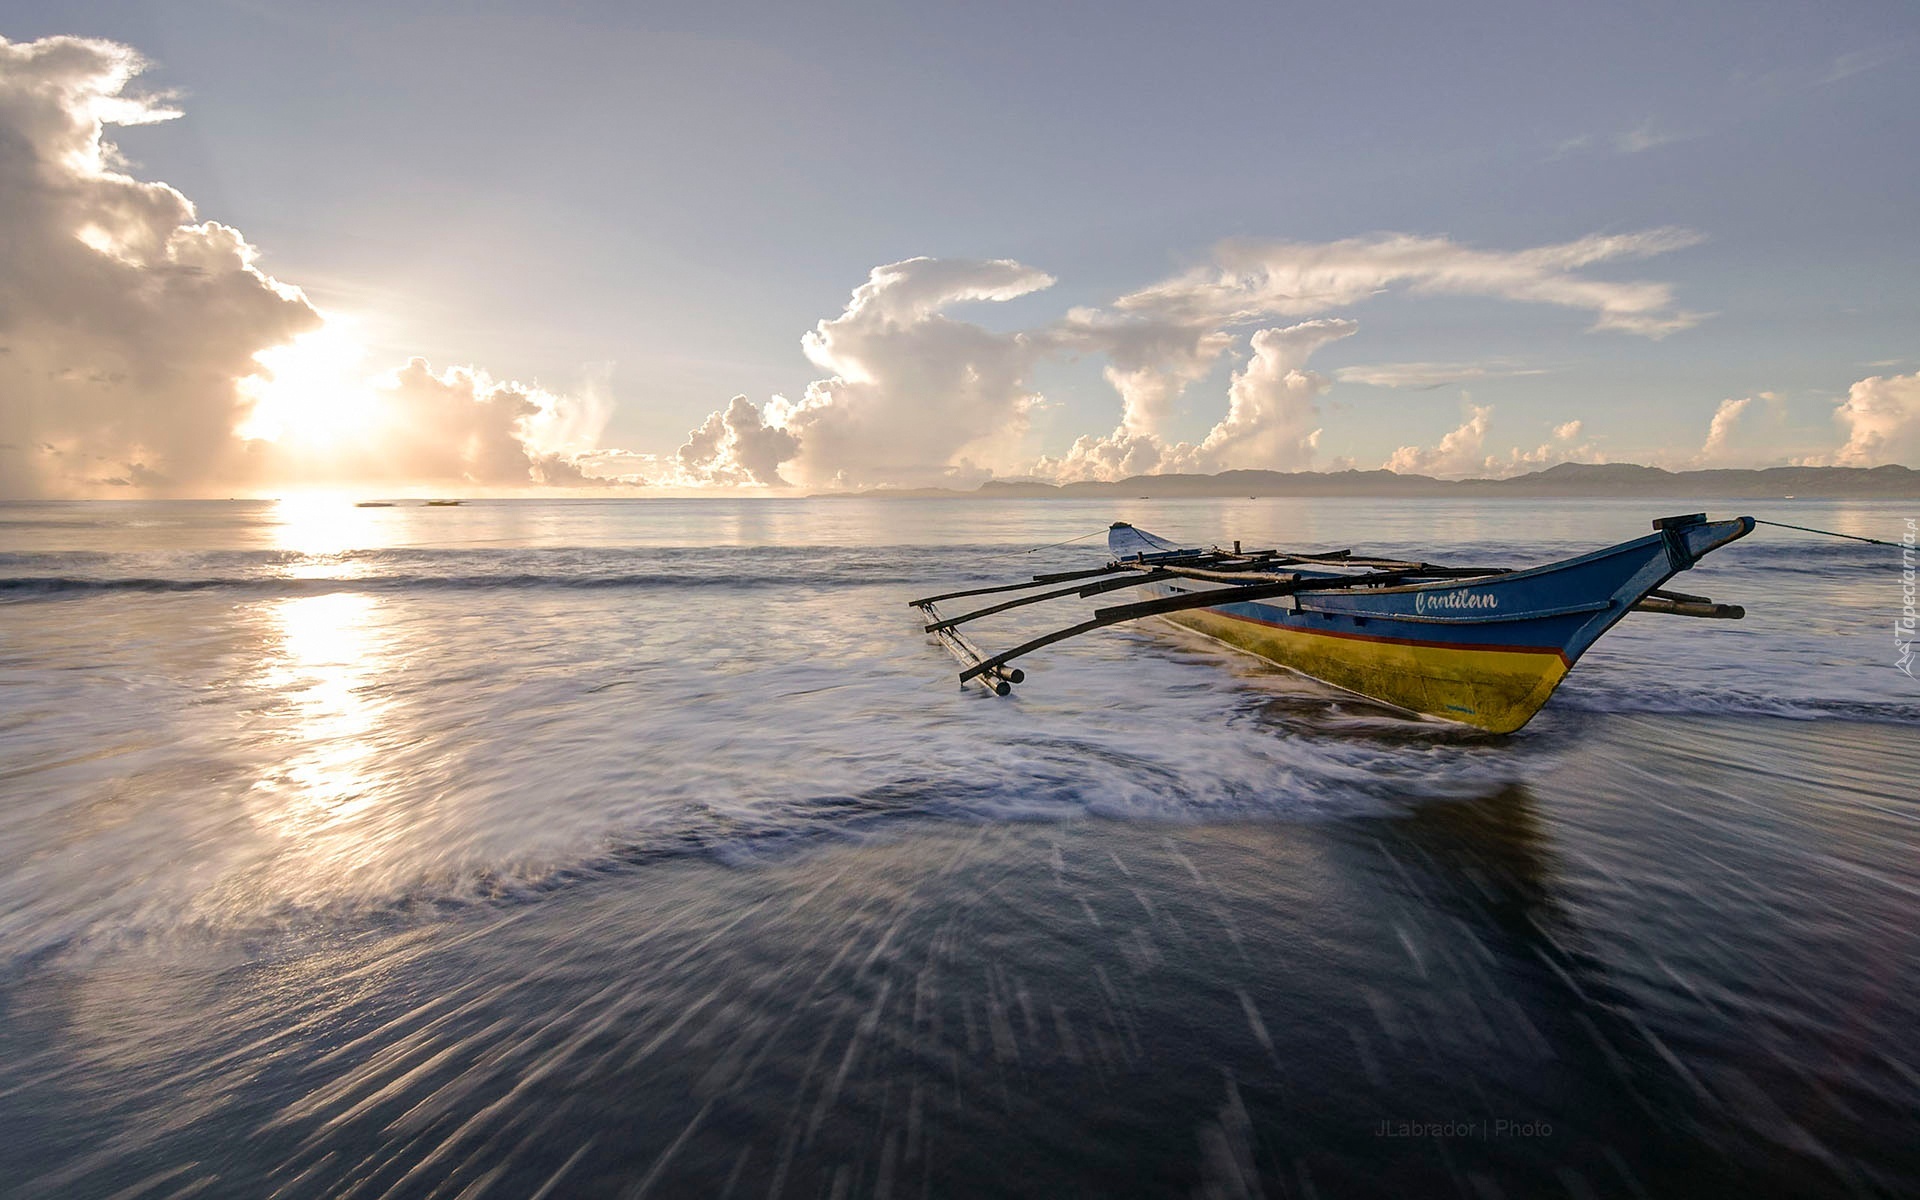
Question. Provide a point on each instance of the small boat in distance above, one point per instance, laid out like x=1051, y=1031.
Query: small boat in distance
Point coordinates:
x=373, y=504
x=1484, y=646
x=443, y=504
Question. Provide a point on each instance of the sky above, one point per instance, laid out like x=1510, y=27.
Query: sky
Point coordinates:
x=260, y=246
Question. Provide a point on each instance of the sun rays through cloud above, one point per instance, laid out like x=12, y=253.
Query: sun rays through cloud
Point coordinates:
x=311, y=396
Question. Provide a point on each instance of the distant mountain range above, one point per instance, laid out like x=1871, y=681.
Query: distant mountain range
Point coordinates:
x=1567, y=479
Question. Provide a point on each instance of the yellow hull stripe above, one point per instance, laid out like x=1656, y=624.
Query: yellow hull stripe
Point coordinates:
x=1496, y=689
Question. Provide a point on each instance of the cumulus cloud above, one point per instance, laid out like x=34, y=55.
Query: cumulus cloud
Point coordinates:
x=633, y=468
x=126, y=320
x=1881, y=418
x=1720, y=428
x=735, y=446
x=1162, y=338
x=1117, y=455
x=914, y=397
x=1270, y=404
x=413, y=426
x=1564, y=445
x=1457, y=454
x=1150, y=361
x=457, y=425
x=1461, y=453
x=145, y=349
x=1269, y=422
x=462, y=425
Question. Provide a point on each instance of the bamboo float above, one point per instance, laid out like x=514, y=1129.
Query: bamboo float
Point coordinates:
x=1680, y=608
x=996, y=680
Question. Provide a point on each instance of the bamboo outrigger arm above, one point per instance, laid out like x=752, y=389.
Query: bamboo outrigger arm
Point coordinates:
x=1391, y=571
x=997, y=678
x=1038, y=580
x=1152, y=608
x=1105, y=585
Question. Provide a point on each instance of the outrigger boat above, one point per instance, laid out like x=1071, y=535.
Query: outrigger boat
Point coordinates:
x=1484, y=646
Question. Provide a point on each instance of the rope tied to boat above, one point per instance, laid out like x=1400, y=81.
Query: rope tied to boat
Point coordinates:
x=1070, y=541
x=1828, y=533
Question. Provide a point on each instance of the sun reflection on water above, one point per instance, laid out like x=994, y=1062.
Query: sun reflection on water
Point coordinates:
x=325, y=675
x=324, y=525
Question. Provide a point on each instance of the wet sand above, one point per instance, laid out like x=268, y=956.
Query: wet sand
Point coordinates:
x=1664, y=971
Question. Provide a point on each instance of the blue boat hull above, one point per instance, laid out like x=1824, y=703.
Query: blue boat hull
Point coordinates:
x=1486, y=652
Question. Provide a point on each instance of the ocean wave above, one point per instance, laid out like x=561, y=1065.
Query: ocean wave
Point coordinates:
x=47, y=586
x=412, y=555
x=34, y=575
x=1732, y=703
x=968, y=776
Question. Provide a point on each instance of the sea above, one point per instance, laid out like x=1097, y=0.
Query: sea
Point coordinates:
x=531, y=848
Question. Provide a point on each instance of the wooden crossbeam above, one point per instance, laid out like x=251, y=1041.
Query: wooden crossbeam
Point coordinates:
x=1679, y=597
x=1166, y=604
x=1038, y=581
x=1105, y=585
x=1238, y=595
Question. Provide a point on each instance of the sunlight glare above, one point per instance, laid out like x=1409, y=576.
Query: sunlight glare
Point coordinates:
x=326, y=662
x=312, y=395
x=326, y=524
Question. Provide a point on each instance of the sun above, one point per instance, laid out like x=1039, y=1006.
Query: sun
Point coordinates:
x=311, y=396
